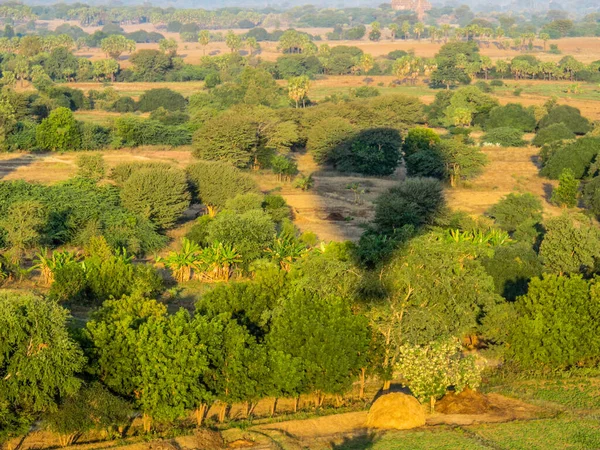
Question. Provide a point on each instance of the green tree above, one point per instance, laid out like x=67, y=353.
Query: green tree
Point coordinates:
x=512, y=267
x=168, y=46
x=552, y=133
x=371, y=152
x=204, y=40
x=419, y=139
x=117, y=44
x=567, y=115
x=512, y=115
x=215, y=182
x=250, y=232
x=324, y=136
x=228, y=137
x=566, y=193
x=435, y=289
x=24, y=225
x=156, y=194
x=59, y=131
x=570, y=245
x=233, y=41
x=515, y=210
x=462, y=162
x=314, y=329
x=557, y=315
x=39, y=359
x=298, y=88
x=415, y=202
x=429, y=370
x=172, y=358
x=161, y=97
x=591, y=195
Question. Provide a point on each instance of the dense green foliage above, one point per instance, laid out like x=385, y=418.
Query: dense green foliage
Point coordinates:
x=160, y=196
x=567, y=115
x=504, y=136
x=514, y=116
x=552, y=133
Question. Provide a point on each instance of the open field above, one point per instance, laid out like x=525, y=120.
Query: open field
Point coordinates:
x=330, y=209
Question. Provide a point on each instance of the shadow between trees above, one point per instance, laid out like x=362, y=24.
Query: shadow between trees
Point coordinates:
x=8, y=166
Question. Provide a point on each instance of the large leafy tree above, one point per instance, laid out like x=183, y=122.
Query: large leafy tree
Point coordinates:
x=143, y=354
x=414, y=202
x=558, y=323
x=38, y=359
x=214, y=182
x=315, y=329
x=59, y=131
x=157, y=194
x=370, y=152
x=570, y=245
x=434, y=289
x=515, y=209
x=461, y=161
x=172, y=361
x=251, y=233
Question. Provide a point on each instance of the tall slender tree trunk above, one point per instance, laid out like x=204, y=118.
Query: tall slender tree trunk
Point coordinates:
x=296, y=402
x=361, y=393
x=200, y=414
x=273, y=406
x=147, y=423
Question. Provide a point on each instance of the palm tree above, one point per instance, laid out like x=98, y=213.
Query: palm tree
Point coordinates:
x=286, y=250
x=393, y=30
x=544, y=37
x=418, y=29
x=406, y=29
x=204, y=40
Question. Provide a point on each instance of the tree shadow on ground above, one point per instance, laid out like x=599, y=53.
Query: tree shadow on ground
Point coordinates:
x=362, y=442
x=548, y=188
x=8, y=166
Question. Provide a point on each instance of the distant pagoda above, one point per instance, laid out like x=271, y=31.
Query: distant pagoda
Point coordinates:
x=418, y=6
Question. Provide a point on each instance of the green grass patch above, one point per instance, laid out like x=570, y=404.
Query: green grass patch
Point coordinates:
x=572, y=393
x=562, y=433
x=440, y=438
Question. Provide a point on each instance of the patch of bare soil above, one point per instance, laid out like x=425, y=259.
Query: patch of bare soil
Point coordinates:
x=494, y=407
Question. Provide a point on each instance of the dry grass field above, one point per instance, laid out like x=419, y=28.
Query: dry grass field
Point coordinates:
x=330, y=209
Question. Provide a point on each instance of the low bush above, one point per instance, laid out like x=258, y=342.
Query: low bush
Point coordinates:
x=504, y=136
x=155, y=98
x=93, y=136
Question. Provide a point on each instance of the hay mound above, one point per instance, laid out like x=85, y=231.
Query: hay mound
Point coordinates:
x=396, y=412
x=467, y=402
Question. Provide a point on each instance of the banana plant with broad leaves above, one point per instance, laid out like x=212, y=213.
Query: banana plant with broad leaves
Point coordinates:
x=217, y=262
x=48, y=265
x=182, y=262
x=287, y=249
